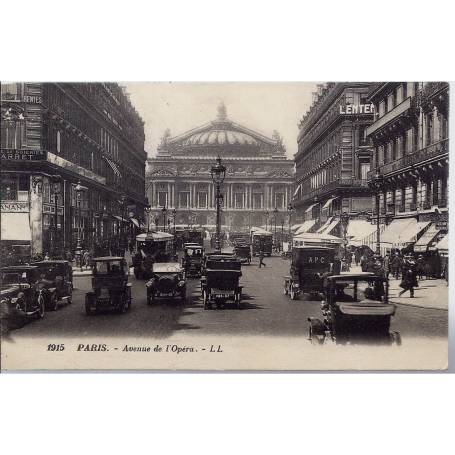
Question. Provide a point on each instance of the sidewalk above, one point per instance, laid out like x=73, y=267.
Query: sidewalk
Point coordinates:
x=430, y=293
x=88, y=272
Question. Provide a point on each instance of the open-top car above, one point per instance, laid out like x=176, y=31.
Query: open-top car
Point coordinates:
x=192, y=259
x=56, y=280
x=356, y=309
x=221, y=281
x=21, y=293
x=167, y=281
x=110, y=287
x=309, y=266
x=242, y=251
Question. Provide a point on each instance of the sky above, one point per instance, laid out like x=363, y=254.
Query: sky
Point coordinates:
x=262, y=107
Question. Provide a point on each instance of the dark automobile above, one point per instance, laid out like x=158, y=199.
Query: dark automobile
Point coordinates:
x=309, y=266
x=242, y=251
x=56, y=280
x=261, y=241
x=167, y=281
x=192, y=259
x=21, y=293
x=356, y=309
x=152, y=247
x=221, y=279
x=110, y=287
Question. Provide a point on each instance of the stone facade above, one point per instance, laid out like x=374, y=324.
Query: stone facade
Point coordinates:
x=259, y=177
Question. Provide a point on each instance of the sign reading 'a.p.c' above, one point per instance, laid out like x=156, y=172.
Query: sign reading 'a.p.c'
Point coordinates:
x=23, y=155
x=356, y=109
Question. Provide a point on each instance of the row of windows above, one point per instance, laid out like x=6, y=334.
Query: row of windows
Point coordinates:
x=396, y=97
x=202, y=202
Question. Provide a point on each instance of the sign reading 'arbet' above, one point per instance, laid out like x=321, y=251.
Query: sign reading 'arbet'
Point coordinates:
x=357, y=109
x=23, y=155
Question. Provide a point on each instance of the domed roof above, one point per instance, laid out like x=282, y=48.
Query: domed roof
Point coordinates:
x=220, y=136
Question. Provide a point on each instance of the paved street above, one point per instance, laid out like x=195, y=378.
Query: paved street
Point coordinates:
x=266, y=311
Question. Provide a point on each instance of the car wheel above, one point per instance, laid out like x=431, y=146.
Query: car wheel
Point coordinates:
x=42, y=305
x=293, y=294
x=53, y=303
x=88, y=309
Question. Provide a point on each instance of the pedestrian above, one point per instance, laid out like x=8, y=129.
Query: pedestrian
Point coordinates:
x=396, y=265
x=68, y=255
x=86, y=259
x=409, y=278
x=357, y=256
x=386, y=265
x=363, y=263
x=261, y=258
x=46, y=256
x=420, y=266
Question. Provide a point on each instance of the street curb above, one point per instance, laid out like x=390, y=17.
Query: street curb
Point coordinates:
x=419, y=306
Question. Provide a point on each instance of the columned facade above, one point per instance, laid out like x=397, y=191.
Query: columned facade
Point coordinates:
x=259, y=177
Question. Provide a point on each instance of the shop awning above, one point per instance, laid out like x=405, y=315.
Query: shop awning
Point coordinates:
x=401, y=232
x=331, y=227
x=297, y=190
x=358, y=230
x=424, y=242
x=309, y=208
x=305, y=227
x=324, y=226
x=443, y=245
x=135, y=222
x=328, y=203
x=15, y=226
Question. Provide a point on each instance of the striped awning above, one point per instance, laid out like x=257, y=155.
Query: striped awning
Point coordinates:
x=310, y=208
x=427, y=238
x=113, y=166
x=328, y=203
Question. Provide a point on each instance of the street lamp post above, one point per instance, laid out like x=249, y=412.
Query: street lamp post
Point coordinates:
x=290, y=208
x=122, y=234
x=376, y=184
x=275, y=213
x=218, y=173
x=344, y=222
x=56, y=191
x=164, y=210
x=148, y=209
x=79, y=190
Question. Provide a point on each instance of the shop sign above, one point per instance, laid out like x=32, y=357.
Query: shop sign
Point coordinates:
x=14, y=207
x=357, y=109
x=442, y=225
x=33, y=99
x=23, y=155
x=51, y=209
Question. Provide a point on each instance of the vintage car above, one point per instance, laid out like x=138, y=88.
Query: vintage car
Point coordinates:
x=167, y=281
x=309, y=266
x=21, y=293
x=152, y=247
x=356, y=308
x=242, y=251
x=220, y=282
x=261, y=240
x=110, y=287
x=56, y=280
x=192, y=259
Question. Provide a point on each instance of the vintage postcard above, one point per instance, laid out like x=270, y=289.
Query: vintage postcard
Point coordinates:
x=224, y=226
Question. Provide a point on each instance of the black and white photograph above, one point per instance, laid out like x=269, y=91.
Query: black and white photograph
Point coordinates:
x=224, y=226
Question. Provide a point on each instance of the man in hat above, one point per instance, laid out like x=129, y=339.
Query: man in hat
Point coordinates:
x=409, y=277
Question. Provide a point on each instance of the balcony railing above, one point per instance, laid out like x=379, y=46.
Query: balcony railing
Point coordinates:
x=335, y=185
x=432, y=88
x=433, y=150
x=395, y=112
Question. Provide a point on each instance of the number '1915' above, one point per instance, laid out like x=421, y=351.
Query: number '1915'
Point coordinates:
x=55, y=347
